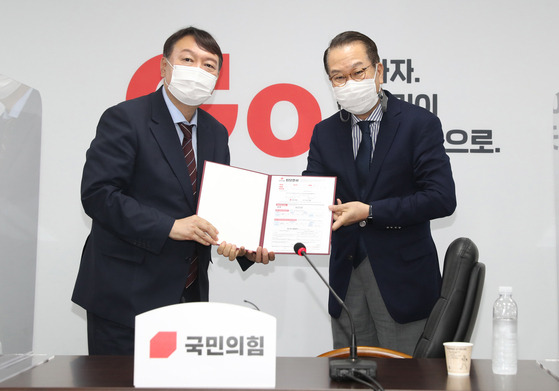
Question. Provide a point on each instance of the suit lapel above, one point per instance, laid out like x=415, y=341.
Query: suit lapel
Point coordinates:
x=345, y=143
x=205, y=147
x=388, y=129
x=164, y=132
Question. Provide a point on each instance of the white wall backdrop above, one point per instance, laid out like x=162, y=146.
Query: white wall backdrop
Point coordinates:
x=489, y=65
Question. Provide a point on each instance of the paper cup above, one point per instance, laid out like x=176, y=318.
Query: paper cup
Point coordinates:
x=460, y=383
x=458, y=358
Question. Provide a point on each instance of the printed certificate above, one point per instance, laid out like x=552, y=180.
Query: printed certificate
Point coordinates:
x=253, y=209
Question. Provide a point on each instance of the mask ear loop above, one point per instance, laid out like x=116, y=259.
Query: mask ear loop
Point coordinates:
x=172, y=66
x=341, y=115
x=381, y=95
x=168, y=62
x=383, y=100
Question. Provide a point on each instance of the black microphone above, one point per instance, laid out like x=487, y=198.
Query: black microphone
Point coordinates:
x=343, y=369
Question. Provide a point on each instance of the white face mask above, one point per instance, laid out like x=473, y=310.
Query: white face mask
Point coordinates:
x=357, y=97
x=191, y=85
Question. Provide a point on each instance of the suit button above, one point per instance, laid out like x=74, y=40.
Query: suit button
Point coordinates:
x=362, y=223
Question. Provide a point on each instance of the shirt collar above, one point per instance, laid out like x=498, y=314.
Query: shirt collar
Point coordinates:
x=375, y=116
x=176, y=115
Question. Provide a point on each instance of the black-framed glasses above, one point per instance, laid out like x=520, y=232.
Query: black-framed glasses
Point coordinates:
x=339, y=79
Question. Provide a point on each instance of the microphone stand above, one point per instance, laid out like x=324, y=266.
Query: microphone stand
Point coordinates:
x=343, y=369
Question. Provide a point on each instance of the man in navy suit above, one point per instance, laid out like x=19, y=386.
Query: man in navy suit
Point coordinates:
x=147, y=247
x=393, y=178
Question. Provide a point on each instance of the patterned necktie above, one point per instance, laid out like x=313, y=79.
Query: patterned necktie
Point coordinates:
x=190, y=160
x=362, y=164
x=188, y=153
x=363, y=158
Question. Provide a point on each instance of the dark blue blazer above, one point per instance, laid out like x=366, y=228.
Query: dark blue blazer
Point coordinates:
x=135, y=184
x=410, y=183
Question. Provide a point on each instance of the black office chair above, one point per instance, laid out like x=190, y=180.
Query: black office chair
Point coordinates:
x=454, y=315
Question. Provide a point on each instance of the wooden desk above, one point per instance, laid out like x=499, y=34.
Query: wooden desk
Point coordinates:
x=293, y=373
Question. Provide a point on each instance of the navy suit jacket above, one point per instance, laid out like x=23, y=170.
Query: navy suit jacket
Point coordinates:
x=135, y=184
x=410, y=183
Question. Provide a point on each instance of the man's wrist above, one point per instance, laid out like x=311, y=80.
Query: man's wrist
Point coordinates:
x=370, y=216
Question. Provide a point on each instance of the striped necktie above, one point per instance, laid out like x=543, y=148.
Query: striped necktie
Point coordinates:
x=190, y=160
x=188, y=153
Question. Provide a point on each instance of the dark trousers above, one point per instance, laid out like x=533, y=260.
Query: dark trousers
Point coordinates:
x=105, y=337
x=108, y=338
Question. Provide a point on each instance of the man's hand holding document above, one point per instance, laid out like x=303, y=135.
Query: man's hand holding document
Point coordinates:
x=278, y=211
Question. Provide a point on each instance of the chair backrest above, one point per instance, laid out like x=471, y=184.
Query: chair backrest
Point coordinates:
x=366, y=351
x=471, y=305
x=454, y=314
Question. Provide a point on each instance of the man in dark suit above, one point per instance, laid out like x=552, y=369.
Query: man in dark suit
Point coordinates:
x=393, y=178
x=147, y=247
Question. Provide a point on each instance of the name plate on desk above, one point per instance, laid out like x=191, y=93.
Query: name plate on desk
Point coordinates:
x=209, y=345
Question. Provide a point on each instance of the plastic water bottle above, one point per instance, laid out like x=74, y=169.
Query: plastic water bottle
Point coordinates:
x=505, y=315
